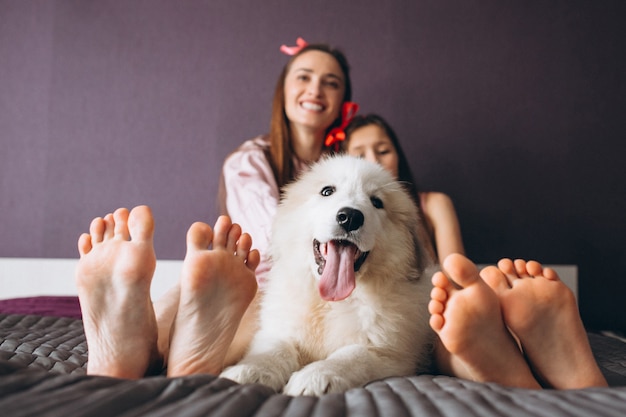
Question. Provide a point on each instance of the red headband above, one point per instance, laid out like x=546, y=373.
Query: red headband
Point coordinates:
x=337, y=134
x=292, y=50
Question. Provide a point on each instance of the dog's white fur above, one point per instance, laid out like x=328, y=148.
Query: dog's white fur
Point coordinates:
x=309, y=346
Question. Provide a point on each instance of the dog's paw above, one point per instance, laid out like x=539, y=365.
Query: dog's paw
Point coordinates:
x=316, y=380
x=254, y=374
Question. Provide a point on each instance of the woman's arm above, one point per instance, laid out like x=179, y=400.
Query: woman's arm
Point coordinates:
x=443, y=222
x=251, y=198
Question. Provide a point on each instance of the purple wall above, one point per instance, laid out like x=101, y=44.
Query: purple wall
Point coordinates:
x=514, y=108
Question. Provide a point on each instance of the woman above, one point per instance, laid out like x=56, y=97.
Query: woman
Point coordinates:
x=312, y=93
x=372, y=138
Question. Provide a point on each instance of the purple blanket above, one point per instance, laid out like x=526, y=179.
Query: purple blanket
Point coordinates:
x=55, y=306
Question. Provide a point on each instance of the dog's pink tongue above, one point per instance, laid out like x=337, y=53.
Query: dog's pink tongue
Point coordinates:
x=337, y=281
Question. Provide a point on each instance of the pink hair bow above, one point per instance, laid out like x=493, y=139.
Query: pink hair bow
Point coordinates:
x=292, y=50
x=338, y=134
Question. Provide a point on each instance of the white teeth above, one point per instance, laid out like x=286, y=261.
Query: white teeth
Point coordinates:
x=312, y=106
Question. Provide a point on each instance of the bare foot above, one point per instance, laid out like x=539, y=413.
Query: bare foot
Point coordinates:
x=217, y=285
x=542, y=312
x=113, y=277
x=475, y=343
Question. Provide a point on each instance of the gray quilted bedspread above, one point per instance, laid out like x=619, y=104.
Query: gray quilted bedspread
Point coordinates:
x=42, y=373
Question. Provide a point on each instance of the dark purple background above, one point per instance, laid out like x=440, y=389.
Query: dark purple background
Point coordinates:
x=514, y=108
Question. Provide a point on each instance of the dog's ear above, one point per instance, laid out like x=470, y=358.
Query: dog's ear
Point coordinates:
x=420, y=259
x=422, y=246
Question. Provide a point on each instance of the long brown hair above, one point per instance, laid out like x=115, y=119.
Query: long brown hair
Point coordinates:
x=281, y=150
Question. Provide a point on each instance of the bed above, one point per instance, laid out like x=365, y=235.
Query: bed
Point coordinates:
x=43, y=354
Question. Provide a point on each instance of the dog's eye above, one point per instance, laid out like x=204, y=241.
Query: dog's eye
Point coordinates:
x=328, y=190
x=377, y=202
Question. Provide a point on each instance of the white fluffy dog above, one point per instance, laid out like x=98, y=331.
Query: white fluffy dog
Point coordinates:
x=345, y=301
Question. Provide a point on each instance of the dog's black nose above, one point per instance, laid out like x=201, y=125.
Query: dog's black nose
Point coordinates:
x=350, y=219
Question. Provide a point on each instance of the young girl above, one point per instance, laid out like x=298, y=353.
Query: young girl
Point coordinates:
x=372, y=138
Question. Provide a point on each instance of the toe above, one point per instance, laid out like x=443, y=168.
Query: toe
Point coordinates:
x=221, y=230
x=495, y=278
x=438, y=294
x=141, y=224
x=109, y=226
x=534, y=268
x=440, y=280
x=253, y=260
x=436, y=322
x=233, y=238
x=551, y=274
x=461, y=270
x=120, y=217
x=84, y=244
x=96, y=229
x=243, y=246
x=506, y=266
x=436, y=307
x=199, y=236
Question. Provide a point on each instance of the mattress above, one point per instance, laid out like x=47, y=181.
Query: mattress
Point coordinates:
x=42, y=372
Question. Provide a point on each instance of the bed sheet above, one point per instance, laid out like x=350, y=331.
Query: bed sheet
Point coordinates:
x=42, y=372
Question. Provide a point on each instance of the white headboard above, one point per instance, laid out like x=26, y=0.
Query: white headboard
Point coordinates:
x=27, y=277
